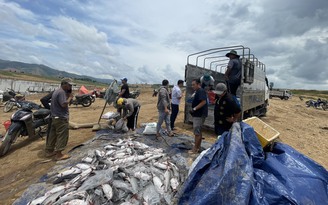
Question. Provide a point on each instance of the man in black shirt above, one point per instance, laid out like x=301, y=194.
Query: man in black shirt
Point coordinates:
x=199, y=113
x=125, y=93
x=226, y=110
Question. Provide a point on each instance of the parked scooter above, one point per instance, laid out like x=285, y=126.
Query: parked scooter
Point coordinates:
x=9, y=105
x=11, y=99
x=84, y=100
x=25, y=122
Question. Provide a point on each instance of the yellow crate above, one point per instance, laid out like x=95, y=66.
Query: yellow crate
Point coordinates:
x=265, y=133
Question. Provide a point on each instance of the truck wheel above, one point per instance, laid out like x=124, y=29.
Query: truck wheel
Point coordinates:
x=7, y=141
x=86, y=102
x=286, y=98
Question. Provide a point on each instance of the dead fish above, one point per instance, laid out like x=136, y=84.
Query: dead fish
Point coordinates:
x=174, y=183
x=77, y=202
x=167, y=178
x=80, y=178
x=38, y=201
x=154, y=157
x=134, y=184
x=158, y=184
x=72, y=171
x=142, y=176
x=99, y=154
x=87, y=160
x=83, y=166
x=70, y=196
x=122, y=185
x=160, y=165
x=100, y=177
x=150, y=195
x=110, y=147
x=108, y=191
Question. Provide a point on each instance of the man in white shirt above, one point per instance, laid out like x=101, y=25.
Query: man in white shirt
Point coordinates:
x=176, y=97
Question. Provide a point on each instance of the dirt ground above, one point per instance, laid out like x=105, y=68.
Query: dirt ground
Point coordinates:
x=305, y=129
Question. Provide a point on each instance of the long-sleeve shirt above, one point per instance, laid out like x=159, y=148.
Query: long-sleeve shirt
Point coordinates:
x=129, y=107
x=163, y=99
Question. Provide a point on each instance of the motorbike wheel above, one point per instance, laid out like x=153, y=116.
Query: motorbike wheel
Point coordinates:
x=92, y=98
x=8, y=106
x=7, y=141
x=86, y=102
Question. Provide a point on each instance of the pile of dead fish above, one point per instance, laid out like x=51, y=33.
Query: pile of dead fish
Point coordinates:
x=124, y=172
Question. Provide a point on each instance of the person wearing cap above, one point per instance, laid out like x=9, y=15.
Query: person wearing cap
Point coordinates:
x=207, y=82
x=176, y=97
x=199, y=112
x=131, y=109
x=233, y=72
x=125, y=93
x=164, y=109
x=58, y=136
x=226, y=109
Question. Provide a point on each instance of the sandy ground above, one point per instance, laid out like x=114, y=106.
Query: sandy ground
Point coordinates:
x=305, y=129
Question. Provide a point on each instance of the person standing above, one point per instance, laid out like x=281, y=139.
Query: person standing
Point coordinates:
x=233, y=72
x=163, y=107
x=46, y=100
x=58, y=136
x=176, y=97
x=125, y=93
x=199, y=112
x=131, y=109
x=226, y=110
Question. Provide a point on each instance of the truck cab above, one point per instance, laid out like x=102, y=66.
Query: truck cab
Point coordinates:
x=252, y=93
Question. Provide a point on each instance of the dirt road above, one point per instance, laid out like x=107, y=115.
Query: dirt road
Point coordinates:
x=305, y=129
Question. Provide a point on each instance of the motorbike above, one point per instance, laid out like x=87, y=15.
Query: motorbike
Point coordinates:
x=11, y=99
x=84, y=100
x=9, y=105
x=317, y=104
x=135, y=94
x=25, y=122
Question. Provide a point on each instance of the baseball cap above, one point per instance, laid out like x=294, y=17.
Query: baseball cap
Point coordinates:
x=67, y=81
x=220, y=88
x=125, y=79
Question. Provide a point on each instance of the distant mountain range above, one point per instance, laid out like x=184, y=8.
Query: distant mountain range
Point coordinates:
x=42, y=70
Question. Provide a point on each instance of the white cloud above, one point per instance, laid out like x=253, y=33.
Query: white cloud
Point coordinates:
x=148, y=41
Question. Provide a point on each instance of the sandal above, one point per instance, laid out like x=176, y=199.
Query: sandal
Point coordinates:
x=63, y=157
x=50, y=154
x=171, y=134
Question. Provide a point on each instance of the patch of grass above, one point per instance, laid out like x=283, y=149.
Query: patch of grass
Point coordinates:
x=37, y=78
x=312, y=94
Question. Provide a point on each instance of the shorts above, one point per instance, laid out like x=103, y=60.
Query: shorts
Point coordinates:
x=197, y=124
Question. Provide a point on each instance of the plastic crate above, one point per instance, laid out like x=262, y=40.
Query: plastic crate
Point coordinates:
x=265, y=133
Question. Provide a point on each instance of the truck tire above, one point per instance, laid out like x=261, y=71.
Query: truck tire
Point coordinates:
x=286, y=98
x=8, y=140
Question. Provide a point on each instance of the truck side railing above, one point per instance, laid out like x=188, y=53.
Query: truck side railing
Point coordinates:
x=214, y=62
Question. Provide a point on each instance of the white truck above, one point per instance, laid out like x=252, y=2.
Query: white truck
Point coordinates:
x=280, y=93
x=252, y=93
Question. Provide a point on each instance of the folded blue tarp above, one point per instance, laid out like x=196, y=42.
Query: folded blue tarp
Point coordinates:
x=236, y=171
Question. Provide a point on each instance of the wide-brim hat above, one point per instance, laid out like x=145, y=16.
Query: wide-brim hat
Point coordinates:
x=233, y=52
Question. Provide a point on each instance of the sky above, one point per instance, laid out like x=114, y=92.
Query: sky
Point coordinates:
x=148, y=41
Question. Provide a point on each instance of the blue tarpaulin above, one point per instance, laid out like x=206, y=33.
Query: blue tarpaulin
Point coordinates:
x=236, y=171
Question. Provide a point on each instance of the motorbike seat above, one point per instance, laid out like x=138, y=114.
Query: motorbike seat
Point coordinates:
x=81, y=96
x=41, y=113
